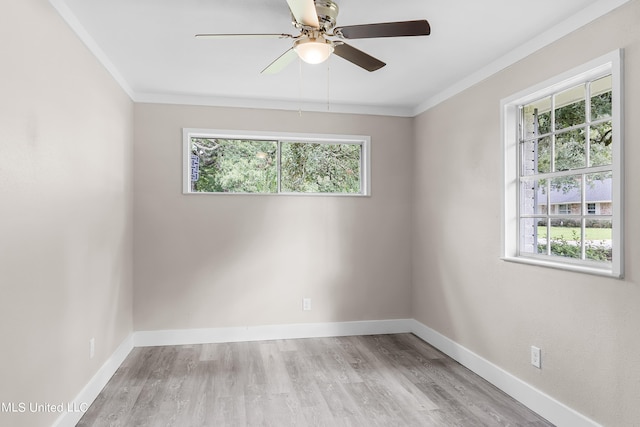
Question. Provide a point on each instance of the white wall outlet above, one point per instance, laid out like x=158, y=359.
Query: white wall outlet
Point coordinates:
x=535, y=357
x=92, y=348
x=306, y=304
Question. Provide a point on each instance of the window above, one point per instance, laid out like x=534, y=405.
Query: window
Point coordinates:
x=229, y=162
x=564, y=209
x=563, y=171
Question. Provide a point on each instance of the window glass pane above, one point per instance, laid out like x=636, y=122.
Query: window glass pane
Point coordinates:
x=600, y=150
x=570, y=150
x=234, y=166
x=601, y=98
x=533, y=236
x=544, y=120
x=533, y=197
x=598, y=240
x=320, y=168
x=570, y=107
x=542, y=237
x=528, y=156
x=527, y=197
x=566, y=195
x=537, y=118
x=536, y=156
x=544, y=155
x=566, y=240
x=598, y=192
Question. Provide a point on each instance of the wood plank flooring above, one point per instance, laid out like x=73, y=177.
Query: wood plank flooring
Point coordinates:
x=378, y=380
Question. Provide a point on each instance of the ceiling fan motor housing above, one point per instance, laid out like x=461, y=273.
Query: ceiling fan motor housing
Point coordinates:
x=327, y=13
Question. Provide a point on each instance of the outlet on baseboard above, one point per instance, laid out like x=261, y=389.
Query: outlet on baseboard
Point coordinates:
x=306, y=304
x=535, y=357
x=92, y=348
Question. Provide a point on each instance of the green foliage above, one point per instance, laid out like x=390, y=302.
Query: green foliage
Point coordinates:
x=235, y=166
x=248, y=166
x=570, y=248
x=571, y=145
x=601, y=107
x=320, y=168
x=571, y=132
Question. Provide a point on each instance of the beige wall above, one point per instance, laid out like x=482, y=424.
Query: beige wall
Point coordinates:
x=66, y=229
x=65, y=211
x=587, y=326
x=204, y=261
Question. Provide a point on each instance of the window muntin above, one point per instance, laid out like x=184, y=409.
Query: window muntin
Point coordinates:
x=563, y=171
x=577, y=143
x=228, y=162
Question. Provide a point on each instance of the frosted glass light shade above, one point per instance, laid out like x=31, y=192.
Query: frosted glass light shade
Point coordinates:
x=313, y=51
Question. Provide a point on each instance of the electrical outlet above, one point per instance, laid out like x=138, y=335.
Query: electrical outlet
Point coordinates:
x=92, y=348
x=535, y=357
x=306, y=304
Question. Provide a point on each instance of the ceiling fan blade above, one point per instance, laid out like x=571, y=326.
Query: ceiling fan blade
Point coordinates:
x=280, y=63
x=385, y=29
x=357, y=57
x=305, y=12
x=245, y=36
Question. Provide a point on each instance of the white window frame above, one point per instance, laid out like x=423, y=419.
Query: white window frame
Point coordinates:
x=362, y=140
x=611, y=63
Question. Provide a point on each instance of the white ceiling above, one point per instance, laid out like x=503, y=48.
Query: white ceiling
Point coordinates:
x=149, y=46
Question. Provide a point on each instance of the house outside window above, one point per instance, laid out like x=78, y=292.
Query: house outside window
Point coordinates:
x=563, y=171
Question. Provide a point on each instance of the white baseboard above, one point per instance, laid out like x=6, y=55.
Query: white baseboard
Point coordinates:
x=89, y=393
x=269, y=332
x=541, y=403
x=549, y=408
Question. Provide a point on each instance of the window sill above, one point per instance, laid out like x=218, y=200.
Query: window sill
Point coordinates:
x=279, y=194
x=587, y=269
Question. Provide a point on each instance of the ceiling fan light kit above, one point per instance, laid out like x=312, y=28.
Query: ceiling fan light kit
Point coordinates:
x=316, y=21
x=313, y=50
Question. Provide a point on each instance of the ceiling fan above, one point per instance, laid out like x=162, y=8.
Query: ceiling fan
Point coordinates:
x=316, y=20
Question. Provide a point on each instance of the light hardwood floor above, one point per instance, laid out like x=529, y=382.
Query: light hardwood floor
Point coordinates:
x=378, y=380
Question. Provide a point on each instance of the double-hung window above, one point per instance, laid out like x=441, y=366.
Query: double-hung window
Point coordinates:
x=563, y=176
x=230, y=162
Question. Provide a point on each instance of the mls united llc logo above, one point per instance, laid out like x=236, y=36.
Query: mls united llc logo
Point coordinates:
x=34, y=407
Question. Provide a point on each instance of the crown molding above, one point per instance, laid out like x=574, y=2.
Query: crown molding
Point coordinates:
x=580, y=19
x=73, y=22
x=272, y=104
